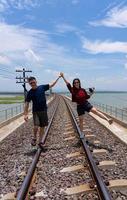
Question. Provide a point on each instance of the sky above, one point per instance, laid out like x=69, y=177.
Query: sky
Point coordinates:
x=83, y=39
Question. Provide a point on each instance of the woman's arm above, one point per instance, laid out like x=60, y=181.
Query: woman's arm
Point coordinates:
x=67, y=83
x=62, y=75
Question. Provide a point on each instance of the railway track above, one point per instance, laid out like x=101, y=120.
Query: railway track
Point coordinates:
x=80, y=161
x=69, y=169
x=16, y=156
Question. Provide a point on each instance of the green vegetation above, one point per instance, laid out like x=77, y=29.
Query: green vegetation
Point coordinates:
x=11, y=100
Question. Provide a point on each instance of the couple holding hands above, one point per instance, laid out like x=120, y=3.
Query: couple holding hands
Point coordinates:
x=40, y=118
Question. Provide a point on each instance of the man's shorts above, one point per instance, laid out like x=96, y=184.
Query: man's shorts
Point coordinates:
x=85, y=107
x=40, y=118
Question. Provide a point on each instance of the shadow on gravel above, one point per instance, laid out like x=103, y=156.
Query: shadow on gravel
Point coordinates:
x=31, y=152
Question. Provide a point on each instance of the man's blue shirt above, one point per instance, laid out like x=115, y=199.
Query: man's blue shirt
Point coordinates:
x=38, y=97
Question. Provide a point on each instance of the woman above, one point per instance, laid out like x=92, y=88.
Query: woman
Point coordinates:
x=80, y=96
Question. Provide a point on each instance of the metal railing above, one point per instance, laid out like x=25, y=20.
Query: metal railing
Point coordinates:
x=11, y=112
x=118, y=113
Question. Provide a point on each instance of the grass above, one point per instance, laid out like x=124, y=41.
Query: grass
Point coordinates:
x=11, y=100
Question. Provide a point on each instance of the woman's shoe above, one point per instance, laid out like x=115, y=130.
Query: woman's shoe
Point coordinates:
x=110, y=121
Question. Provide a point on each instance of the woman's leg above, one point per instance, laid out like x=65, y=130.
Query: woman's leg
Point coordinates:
x=96, y=112
x=81, y=122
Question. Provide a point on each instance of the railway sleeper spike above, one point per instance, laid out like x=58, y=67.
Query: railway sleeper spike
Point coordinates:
x=85, y=164
x=97, y=162
x=92, y=185
x=106, y=182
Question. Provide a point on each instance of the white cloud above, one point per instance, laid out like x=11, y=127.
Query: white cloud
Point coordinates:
x=116, y=17
x=17, y=38
x=31, y=56
x=107, y=46
x=63, y=28
x=32, y=48
x=53, y=72
x=75, y=2
x=17, y=4
x=4, y=60
x=125, y=65
x=111, y=81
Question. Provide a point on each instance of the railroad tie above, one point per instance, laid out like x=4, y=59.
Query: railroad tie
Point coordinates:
x=99, y=152
x=118, y=184
x=68, y=132
x=78, y=189
x=73, y=168
x=69, y=138
x=96, y=142
x=75, y=154
x=106, y=164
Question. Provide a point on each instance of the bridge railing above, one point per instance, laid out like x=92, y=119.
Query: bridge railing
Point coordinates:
x=118, y=113
x=11, y=112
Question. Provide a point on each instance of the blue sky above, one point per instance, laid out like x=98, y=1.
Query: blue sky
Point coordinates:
x=84, y=39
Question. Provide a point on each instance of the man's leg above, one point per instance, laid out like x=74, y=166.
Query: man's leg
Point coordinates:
x=35, y=128
x=41, y=133
x=33, y=142
x=43, y=120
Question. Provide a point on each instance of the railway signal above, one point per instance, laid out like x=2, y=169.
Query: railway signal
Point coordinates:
x=23, y=79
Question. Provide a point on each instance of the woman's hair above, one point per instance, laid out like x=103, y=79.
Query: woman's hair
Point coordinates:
x=76, y=79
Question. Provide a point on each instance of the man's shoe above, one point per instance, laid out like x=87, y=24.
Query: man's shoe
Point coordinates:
x=43, y=149
x=82, y=136
x=33, y=142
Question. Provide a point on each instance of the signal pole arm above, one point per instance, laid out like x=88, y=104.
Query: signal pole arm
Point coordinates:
x=26, y=111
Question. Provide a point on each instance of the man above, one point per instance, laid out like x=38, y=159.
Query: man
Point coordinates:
x=40, y=117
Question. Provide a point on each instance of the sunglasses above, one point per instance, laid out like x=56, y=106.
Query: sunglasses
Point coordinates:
x=33, y=82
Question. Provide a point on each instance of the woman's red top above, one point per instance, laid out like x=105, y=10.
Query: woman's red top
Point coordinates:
x=78, y=95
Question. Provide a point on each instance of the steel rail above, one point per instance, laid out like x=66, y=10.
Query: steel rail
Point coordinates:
x=101, y=187
x=26, y=183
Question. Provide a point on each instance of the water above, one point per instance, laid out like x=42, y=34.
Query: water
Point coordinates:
x=117, y=99
x=113, y=103
x=7, y=95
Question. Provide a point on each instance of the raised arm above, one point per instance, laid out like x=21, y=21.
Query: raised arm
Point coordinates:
x=26, y=107
x=67, y=83
x=62, y=75
x=52, y=84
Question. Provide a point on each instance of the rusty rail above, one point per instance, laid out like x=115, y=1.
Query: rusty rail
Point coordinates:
x=101, y=187
x=26, y=183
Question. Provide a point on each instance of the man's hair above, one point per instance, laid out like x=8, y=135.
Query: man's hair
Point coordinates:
x=31, y=78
